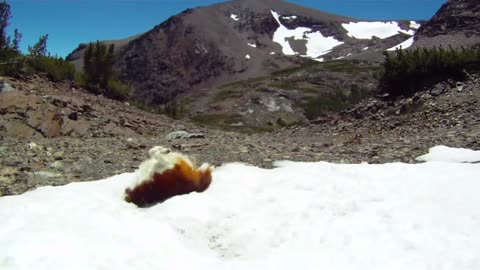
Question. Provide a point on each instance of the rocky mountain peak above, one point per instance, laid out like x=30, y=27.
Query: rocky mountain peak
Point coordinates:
x=457, y=23
x=454, y=16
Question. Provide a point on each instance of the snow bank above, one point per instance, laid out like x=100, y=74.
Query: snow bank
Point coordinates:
x=367, y=30
x=317, y=44
x=253, y=45
x=406, y=44
x=298, y=215
x=448, y=154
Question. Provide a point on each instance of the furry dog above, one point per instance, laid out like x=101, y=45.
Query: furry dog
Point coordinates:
x=166, y=174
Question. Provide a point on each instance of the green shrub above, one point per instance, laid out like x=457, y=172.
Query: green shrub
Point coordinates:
x=117, y=89
x=55, y=68
x=323, y=103
x=11, y=62
x=406, y=72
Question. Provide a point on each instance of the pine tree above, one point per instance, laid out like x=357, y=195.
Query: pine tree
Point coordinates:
x=5, y=16
x=17, y=38
x=98, y=63
x=40, y=48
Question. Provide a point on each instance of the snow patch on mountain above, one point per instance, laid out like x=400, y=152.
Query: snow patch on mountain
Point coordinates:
x=289, y=17
x=234, y=17
x=247, y=56
x=253, y=45
x=368, y=30
x=406, y=44
x=414, y=25
x=316, y=43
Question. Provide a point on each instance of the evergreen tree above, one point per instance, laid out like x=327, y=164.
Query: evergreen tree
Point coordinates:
x=98, y=63
x=17, y=38
x=407, y=72
x=5, y=16
x=40, y=48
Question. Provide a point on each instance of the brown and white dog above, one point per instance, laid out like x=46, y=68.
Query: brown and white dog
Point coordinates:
x=167, y=174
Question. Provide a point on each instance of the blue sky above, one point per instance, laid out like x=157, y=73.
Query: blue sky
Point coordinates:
x=70, y=22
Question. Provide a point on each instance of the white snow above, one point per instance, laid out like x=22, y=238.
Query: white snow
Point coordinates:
x=234, y=17
x=364, y=49
x=317, y=44
x=448, y=154
x=297, y=215
x=367, y=30
x=272, y=53
x=247, y=56
x=289, y=17
x=406, y=44
x=414, y=25
x=253, y=45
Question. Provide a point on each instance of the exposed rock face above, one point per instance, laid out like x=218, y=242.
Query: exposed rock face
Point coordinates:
x=456, y=23
x=453, y=17
x=210, y=46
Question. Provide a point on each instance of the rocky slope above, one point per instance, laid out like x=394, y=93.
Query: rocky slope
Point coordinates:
x=285, y=98
x=210, y=46
x=111, y=143
x=457, y=24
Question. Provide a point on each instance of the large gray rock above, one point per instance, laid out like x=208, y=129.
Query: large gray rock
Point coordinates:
x=6, y=87
x=181, y=134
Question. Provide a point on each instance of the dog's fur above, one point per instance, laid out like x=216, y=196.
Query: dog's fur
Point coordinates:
x=167, y=174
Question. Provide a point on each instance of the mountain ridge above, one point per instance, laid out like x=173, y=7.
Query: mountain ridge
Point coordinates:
x=209, y=46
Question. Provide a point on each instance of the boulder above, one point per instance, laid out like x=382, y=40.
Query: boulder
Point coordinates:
x=6, y=87
x=181, y=134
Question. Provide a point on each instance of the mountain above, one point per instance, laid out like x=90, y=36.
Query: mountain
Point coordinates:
x=456, y=23
x=209, y=46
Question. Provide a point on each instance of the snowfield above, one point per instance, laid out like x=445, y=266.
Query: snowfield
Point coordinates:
x=367, y=30
x=317, y=44
x=298, y=215
x=406, y=44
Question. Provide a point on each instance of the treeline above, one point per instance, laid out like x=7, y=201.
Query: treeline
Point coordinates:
x=409, y=71
x=98, y=75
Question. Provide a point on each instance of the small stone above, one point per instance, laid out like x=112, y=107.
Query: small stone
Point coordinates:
x=32, y=145
x=57, y=165
x=459, y=87
x=46, y=175
x=58, y=155
x=73, y=116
